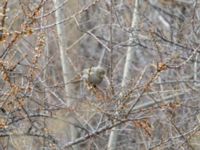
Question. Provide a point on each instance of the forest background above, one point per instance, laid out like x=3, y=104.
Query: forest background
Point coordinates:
x=149, y=95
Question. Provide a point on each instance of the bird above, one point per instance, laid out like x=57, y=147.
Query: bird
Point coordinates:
x=92, y=76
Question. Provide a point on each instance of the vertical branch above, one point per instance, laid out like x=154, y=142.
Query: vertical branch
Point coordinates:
x=111, y=49
x=62, y=40
x=127, y=70
x=3, y=20
x=4, y=15
x=67, y=68
x=46, y=49
x=130, y=52
x=195, y=69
